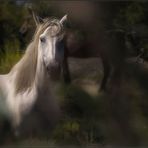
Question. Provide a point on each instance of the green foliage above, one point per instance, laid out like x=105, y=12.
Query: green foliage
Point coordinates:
x=130, y=15
x=11, y=18
x=12, y=13
x=134, y=13
x=80, y=122
x=11, y=56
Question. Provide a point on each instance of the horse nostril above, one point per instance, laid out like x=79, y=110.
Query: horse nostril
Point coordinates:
x=53, y=65
x=54, y=70
x=56, y=64
x=59, y=57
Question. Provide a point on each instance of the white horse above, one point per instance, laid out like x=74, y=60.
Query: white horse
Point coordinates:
x=29, y=81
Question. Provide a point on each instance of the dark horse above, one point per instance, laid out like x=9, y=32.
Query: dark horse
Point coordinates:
x=110, y=48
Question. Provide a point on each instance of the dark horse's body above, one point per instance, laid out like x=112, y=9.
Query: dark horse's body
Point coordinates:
x=109, y=46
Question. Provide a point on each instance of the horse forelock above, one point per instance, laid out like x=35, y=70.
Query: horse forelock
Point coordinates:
x=53, y=22
x=26, y=68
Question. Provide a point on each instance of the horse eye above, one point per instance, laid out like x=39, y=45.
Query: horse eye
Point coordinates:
x=42, y=39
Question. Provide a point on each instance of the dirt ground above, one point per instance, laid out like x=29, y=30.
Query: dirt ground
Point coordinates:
x=86, y=73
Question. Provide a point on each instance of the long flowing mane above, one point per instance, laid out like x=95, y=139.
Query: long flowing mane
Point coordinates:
x=26, y=68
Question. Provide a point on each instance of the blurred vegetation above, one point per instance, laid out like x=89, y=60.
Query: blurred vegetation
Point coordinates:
x=10, y=57
x=108, y=118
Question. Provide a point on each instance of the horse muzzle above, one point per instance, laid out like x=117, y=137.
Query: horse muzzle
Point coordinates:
x=54, y=70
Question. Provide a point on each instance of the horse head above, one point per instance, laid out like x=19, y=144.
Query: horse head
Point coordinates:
x=51, y=43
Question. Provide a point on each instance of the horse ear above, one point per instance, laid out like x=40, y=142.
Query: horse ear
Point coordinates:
x=63, y=19
x=36, y=18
